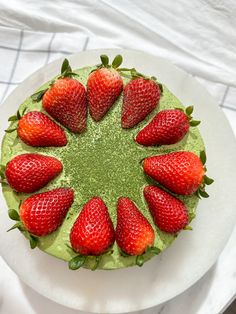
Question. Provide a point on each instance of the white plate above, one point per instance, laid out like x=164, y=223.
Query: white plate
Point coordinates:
x=191, y=255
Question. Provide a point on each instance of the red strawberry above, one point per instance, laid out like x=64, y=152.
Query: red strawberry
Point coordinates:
x=28, y=173
x=65, y=101
x=104, y=87
x=141, y=97
x=37, y=129
x=43, y=213
x=93, y=231
x=180, y=172
x=134, y=234
x=167, y=127
x=168, y=212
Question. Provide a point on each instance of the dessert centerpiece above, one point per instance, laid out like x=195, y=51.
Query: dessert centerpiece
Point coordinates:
x=103, y=166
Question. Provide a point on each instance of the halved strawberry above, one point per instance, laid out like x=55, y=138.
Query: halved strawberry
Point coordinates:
x=104, y=87
x=141, y=96
x=180, y=172
x=167, y=127
x=65, y=100
x=28, y=173
x=134, y=234
x=43, y=213
x=169, y=213
x=38, y=130
x=92, y=233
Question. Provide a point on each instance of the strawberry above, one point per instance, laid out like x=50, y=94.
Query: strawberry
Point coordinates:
x=167, y=127
x=28, y=173
x=180, y=172
x=38, y=130
x=104, y=87
x=141, y=96
x=93, y=231
x=65, y=100
x=134, y=234
x=43, y=213
x=169, y=213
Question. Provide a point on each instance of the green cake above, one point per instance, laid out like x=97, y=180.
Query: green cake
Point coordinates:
x=102, y=161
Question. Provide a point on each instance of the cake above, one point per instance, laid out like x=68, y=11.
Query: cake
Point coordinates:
x=102, y=157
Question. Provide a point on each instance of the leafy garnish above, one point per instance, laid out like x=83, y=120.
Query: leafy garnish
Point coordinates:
x=38, y=95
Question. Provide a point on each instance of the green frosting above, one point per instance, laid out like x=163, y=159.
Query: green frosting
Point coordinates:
x=103, y=161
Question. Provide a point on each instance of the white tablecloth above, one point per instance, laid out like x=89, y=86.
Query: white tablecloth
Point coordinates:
x=198, y=36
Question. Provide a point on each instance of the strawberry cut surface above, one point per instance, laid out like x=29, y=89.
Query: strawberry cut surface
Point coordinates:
x=104, y=160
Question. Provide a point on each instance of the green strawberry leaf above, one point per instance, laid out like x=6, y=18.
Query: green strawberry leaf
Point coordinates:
x=18, y=115
x=181, y=109
x=140, y=260
x=65, y=66
x=189, y=110
x=69, y=74
x=124, y=70
x=104, y=60
x=10, y=130
x=97, y=261
x=38, y=95
x=203, y=157
x=13, y=214
x=13, y=118
x=154, y=250
x=198, y=195
x=117, y=61
x=208, y=180
x=32, y=239
x=188, y=228
x=203, y=193
x=17, y=225
x=33, y=242
x=2, y=175
x=23, y=111
x=77, y=262
x=2, y=167
x=125, y=75
x=194, y=123
x=161, y=88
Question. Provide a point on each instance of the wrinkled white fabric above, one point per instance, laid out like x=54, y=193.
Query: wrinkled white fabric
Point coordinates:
x=197, y=35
